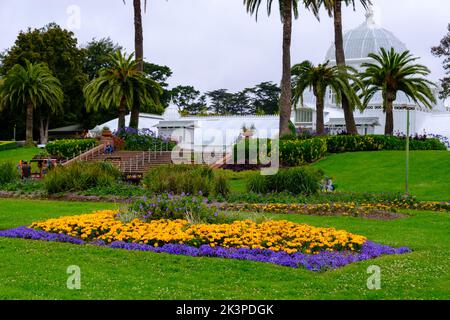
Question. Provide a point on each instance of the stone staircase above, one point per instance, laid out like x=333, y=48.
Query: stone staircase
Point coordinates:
x=135, y=163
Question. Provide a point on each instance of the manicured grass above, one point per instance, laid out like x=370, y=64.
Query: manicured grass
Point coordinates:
x=384, y=171
x=37, y=270
x=15, y=155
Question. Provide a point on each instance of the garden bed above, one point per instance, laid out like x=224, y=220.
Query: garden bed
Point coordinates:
x=277, y=242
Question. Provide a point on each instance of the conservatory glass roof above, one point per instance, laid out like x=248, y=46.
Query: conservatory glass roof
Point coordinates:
x=365, y=39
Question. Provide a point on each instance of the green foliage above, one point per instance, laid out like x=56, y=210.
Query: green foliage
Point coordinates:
x=338, y=144
x=8, y=173
x=58, y=49
x=243, y=148
x=8, y=145
x=299, y=180
x=81, y=176
x=195, y=209
x=121, y=85
x=69, y=148
x=187, y=179
x=443, y=51
x=299, y=152
x=143, y=140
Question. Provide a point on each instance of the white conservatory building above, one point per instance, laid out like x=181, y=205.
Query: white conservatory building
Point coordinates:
x=221, y=132
x=358, y=44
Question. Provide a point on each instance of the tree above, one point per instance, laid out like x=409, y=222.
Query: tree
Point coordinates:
x=58, y=48
x=319, y=78
x=33, y=87
x=184, y=96
x=97, y=54
x=264, y=98
x=139, y=50
x=334, y=9
x=443, y=50
x=288, y=9
x=393, y=72
x=121, y=86
x=160, y=74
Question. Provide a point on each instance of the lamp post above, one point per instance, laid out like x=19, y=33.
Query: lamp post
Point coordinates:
x=407, y=150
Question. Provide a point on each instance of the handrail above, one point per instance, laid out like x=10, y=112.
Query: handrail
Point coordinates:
x=100, y=148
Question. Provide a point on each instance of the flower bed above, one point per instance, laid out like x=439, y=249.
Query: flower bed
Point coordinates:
x=279, y=242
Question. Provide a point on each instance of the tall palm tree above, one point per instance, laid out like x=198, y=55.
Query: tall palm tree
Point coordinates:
x=334, y=9
x=393, y=72
x=32, y=86
x=288, y=10
x=318, y=78
x=139, y=50
x=122, y=86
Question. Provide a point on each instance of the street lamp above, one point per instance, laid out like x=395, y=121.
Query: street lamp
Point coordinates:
x=407, y=148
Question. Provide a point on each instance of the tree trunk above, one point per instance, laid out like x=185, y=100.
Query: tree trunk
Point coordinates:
x=139, y=48
x=320, y=127
x=122, y=112
x=29, y=124
x=389, y=127
x=340, y=61
x=285, y=97
x=43, y=130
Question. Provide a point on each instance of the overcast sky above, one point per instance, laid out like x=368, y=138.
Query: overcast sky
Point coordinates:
x=215, y=44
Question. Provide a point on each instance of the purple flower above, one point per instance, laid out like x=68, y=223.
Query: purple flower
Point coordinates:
x=324, y=260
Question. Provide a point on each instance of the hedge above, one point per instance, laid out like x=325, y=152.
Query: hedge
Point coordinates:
x=295, y=152
x=69, y=148
x=8, y=145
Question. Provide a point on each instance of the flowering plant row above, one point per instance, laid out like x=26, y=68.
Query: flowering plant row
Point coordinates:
x=324, y=260
x=273, y=235
x=337, y=208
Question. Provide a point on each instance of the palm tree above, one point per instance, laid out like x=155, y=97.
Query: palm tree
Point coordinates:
x=32, y=86
x=122, y=86
x=393, y=72
x=334, y=9
x=139, y=49
x=319, y=78
x=288, y=9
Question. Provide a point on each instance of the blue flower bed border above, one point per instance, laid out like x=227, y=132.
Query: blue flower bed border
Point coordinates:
x=325, y=260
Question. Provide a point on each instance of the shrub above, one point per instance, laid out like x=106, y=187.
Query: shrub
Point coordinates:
x=221, y=184
x=299, y=152
x=143, y=140
x=8, y=145
x=69, y=148
x=299, y=180
x=8, y=173
x=81, y=176
x=263, y=147
x=188, y=179
x=194, y=209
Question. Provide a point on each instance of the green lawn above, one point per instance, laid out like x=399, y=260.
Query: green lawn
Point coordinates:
x=384, y=171
x=15, y=155
x=37, y=270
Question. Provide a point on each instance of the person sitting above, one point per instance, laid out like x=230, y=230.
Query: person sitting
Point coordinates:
x=26, y=170
x=329, y=186
x=109, y=148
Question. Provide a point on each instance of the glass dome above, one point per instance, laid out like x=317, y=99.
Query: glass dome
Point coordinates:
x=365, y=39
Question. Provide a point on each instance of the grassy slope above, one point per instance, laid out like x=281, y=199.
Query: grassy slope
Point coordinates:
x=33, y=269
x=384, y=171
x=15, y=155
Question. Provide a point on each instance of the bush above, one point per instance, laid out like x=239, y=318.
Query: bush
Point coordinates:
x=188, y=179
x=342, y=143
x=194, y=209
x=8, y=173
x=69, y=148
x=81, y=176
x=263, y=146
x=299, y=180
x=143, y=140
x=298, y=152
x=8, y=145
